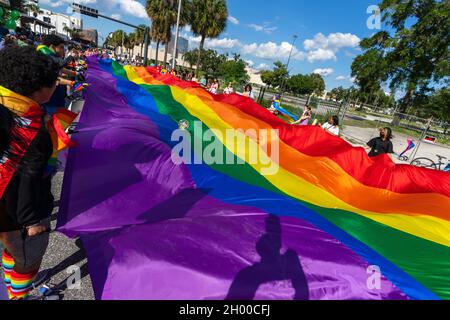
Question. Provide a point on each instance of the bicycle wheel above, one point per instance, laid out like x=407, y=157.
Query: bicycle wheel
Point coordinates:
x=424, y=163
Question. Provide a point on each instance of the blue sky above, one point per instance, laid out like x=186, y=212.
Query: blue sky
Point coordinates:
x=328, y=31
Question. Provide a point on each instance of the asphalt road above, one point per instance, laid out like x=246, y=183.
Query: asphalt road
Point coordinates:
x=63, y=253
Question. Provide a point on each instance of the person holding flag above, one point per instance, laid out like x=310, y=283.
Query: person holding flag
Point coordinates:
x=54, y=46
x=26, y=147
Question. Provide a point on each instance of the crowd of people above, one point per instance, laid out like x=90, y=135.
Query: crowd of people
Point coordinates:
x=379, y=145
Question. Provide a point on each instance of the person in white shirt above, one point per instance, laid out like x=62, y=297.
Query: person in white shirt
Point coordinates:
x=248, y=92
x=332, y=126
x=229, y=89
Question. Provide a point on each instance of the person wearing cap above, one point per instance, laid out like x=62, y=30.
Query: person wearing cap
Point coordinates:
x=54, y=46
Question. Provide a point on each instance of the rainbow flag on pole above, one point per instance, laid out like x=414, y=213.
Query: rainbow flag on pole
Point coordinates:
x=328, y=223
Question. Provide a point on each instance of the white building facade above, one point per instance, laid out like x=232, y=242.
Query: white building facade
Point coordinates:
x=58, y=20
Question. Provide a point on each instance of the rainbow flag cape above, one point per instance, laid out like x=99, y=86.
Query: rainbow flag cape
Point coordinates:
x=290, y=117
x=330, y=223
x=411, y=145
x=56, y=127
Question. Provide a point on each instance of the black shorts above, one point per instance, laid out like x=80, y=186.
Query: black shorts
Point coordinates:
x=27, y=252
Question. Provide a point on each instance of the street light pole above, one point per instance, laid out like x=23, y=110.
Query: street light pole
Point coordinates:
x=287, y=67
x=146, y=44
x=175, y=47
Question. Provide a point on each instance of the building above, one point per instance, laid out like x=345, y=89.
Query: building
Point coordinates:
x=182, y=47
x=255, y=76
x=87, y=37
x=61, y=23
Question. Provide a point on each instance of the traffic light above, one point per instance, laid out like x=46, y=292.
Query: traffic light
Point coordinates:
x=85, y=10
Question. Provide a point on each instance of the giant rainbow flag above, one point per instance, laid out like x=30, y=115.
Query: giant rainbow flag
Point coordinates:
x=331, y=223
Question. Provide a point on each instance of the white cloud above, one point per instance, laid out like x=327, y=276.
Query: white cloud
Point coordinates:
x=324, y=72
x=262, y=28
x=262, y=66
x=346, y=78
x=224, y=43
x=233, y=20
x=321, y=55
x=250, y=63
x=322, y=48
x=333, y=41
x=52, y=3
x=59, y=3
x=116, y=16
x=130, y=7
x=273, y=51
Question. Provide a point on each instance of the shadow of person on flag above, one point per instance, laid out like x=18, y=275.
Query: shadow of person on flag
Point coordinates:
x=273, y=266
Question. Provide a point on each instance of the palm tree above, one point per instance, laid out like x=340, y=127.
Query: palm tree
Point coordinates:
x=164, y=17
x=130, y=43
x=70, y=32
x=140, y=36
x=116, y=39
x=152, y=8
x=209, y=20
x=155, y=35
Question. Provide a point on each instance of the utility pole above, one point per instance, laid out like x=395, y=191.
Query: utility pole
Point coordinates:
x=175, y=47
x=123, y=37
x=146, y=44
x=287, y=67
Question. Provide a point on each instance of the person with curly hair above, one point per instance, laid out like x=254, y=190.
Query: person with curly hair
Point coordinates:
x=28, y=79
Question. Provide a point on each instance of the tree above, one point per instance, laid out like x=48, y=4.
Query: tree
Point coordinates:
x=339, y=93
x=306, y=84
x=191, y=58
x=209, y=20
x=17, y=5
x=158, y=30
x=156, y=35
x=139, y=37
x=268, y=78
x=414, y=59
x=301, y=84
x=318, y=83
x=276, y=77
x=70, y=32
x=130, y=42
x=234, y=71
x=211, y=62
x=164, y=13
x=436, y=105
x=117, y=38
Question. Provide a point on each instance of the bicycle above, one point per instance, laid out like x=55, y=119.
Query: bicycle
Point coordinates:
x=430, y=164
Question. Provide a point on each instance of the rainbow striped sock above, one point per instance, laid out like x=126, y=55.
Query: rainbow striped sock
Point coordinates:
x=21, y=284
x=7, y=265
